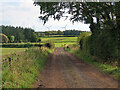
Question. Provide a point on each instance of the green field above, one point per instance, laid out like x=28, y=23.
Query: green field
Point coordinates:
x=59, y=41
x=7, y=51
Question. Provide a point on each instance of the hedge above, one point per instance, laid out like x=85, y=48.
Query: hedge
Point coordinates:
x=102, y=45
x=20, y=45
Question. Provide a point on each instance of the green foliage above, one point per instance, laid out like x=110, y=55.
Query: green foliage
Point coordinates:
x=85, y=44
x=18, y=32
x=3, y=38
x=35, y=37
x=21, y=41
x=81, y=11
x=83, y=40
x=28, y=44
x=104, y=41
x=58, y=33
x=50, y=44
x=104, y=45
x=25, y=68
x=39, y=40
x=12, y=38
x=82, y=35
x=19, y=45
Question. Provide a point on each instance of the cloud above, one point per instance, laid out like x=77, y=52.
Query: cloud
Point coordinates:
x=24, y=13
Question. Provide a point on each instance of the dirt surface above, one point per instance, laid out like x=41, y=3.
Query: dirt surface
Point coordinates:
x=63, y=70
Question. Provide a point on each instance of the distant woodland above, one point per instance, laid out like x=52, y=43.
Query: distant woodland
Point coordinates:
x=21, y=34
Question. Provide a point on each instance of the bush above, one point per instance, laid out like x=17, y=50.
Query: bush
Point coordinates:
x=28, y=44
x=12, y=38
x=86, y=43
x=83, y=34
x=19, y=45
x=103, y=45
x=49, y=44
x=83, y=41
x=3, y=38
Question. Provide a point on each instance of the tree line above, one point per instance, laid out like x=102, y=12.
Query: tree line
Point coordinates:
x=19, y=34
x=59, y=32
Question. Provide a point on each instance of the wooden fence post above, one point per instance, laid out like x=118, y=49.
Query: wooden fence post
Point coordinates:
x=10, y=62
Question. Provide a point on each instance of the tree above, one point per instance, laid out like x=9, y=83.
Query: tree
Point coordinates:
x=59, y=32
x=12, y=38
x=3, y=38
x=35, y=37
x=103, y=17
x=79, y=11
x=39, y=40
x=19, y=33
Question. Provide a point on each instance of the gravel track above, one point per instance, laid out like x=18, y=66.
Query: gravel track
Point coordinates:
x=64, y=70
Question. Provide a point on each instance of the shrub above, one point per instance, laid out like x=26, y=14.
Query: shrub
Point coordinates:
x=35, y=37
x=28, y=44
x=39, y=40
x=20, y=41
x=3, y=38
x=83, y=34
x=104, y=45
x=19, y=45
x=83, y=41
x=12, y=38
x=49, y=44
x=86, y=43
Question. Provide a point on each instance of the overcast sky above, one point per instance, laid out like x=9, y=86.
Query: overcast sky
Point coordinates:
x=24, y=13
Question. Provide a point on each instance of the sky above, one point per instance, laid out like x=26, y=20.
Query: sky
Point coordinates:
x=24, y=13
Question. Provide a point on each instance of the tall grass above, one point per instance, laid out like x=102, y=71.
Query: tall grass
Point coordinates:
x=24, y=69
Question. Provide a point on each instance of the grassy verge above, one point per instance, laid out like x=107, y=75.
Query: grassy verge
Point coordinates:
x=24, y=69
x=106, y=68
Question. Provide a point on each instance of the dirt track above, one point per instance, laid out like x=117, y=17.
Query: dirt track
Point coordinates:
x=63, y=70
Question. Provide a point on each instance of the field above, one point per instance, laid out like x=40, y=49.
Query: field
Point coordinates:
x=59, y=41
x=7, y=51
